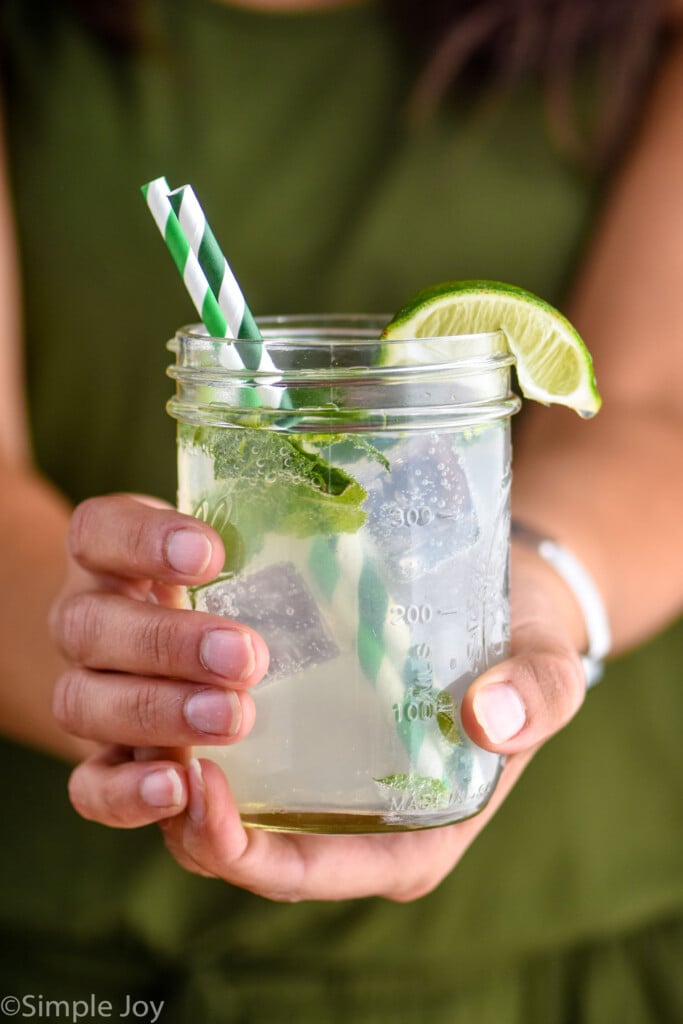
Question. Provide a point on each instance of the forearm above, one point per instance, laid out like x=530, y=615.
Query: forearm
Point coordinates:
x=612, y=491
x=33, y=523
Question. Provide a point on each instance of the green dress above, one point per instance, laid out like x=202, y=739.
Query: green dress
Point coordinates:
x=568, y=906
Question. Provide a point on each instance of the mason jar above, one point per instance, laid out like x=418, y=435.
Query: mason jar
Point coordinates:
x=361, y=490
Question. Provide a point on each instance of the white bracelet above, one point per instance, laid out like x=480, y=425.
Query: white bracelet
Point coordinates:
x=586, y=593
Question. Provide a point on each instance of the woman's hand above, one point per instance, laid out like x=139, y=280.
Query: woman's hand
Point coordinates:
x=140, y=667
x=512, y=709
x=143, y=670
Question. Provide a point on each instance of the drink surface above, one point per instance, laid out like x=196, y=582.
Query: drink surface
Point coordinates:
x=375, y=567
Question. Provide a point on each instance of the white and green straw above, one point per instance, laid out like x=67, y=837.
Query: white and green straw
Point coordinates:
x=221, y=305
x=347, y=575
x=212, y=285
x=223, y=283
x=205, y=302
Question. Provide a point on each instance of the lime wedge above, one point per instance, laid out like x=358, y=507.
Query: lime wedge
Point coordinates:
x=553, y=364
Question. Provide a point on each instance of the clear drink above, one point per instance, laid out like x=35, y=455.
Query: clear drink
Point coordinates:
x=366, y=521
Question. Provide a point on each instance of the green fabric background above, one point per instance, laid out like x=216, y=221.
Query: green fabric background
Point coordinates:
x=290, y=129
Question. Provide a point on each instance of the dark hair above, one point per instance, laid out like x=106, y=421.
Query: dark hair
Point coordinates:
x=118, y=23
x=493, y=44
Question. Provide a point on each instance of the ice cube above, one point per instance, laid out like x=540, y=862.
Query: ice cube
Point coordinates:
x=278, y=604
x=421, y=513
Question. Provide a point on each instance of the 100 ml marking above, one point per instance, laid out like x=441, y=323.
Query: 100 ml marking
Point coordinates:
x=422, y=702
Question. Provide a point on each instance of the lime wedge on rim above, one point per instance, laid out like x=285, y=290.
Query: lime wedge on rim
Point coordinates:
x=553, y=364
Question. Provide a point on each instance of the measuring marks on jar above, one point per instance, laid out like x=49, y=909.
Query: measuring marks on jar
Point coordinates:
x=423, y=706
x=422, y=702
x=410, y=614
x=420, y=513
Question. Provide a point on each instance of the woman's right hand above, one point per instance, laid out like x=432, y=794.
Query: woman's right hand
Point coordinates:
x=144, y=672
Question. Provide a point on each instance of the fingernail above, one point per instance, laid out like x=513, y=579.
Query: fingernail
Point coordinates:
x=217, y=712
x=500, y=712
x=162, y=788
x=196, y=805
x=228, y=653
x=188, y=551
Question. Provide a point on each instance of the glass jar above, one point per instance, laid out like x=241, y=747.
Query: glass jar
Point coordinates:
x=363, y=502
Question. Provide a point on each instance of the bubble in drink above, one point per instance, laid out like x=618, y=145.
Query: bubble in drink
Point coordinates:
x=359, y=534
x=420, y=510
x=269, y=601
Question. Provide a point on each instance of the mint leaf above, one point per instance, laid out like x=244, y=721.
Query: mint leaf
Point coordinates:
x=347, y=446
x=277, y=483
x=217, y=514
x=445, y=717
x=322, y=476
x=417, y=792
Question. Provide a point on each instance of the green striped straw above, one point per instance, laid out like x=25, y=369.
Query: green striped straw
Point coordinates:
x=224, y=311
x=239, y=318
x=348, y=577
x=205, y=302
x=218, y=273
x=212, y=285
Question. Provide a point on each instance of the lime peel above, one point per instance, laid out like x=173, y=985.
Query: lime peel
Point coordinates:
x=553, y=364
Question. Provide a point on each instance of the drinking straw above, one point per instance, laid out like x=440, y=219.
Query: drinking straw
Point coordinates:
x=223, y=309
x=347, y=575
x=220, y=277
x=156, y=196
x=212, y=284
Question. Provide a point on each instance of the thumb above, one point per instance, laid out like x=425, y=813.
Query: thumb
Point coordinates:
x=520, y=703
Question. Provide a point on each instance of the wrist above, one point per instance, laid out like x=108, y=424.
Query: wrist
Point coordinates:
x=566, y=584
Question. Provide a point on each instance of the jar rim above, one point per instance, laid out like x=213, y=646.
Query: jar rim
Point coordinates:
x=342, y=328
x=333, y=371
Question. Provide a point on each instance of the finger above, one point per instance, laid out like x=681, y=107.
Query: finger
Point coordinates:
x=211, y=839
x=523, y=701
x=122, y=536
x=108, y=631
x=113, y=790
x=138, y=711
